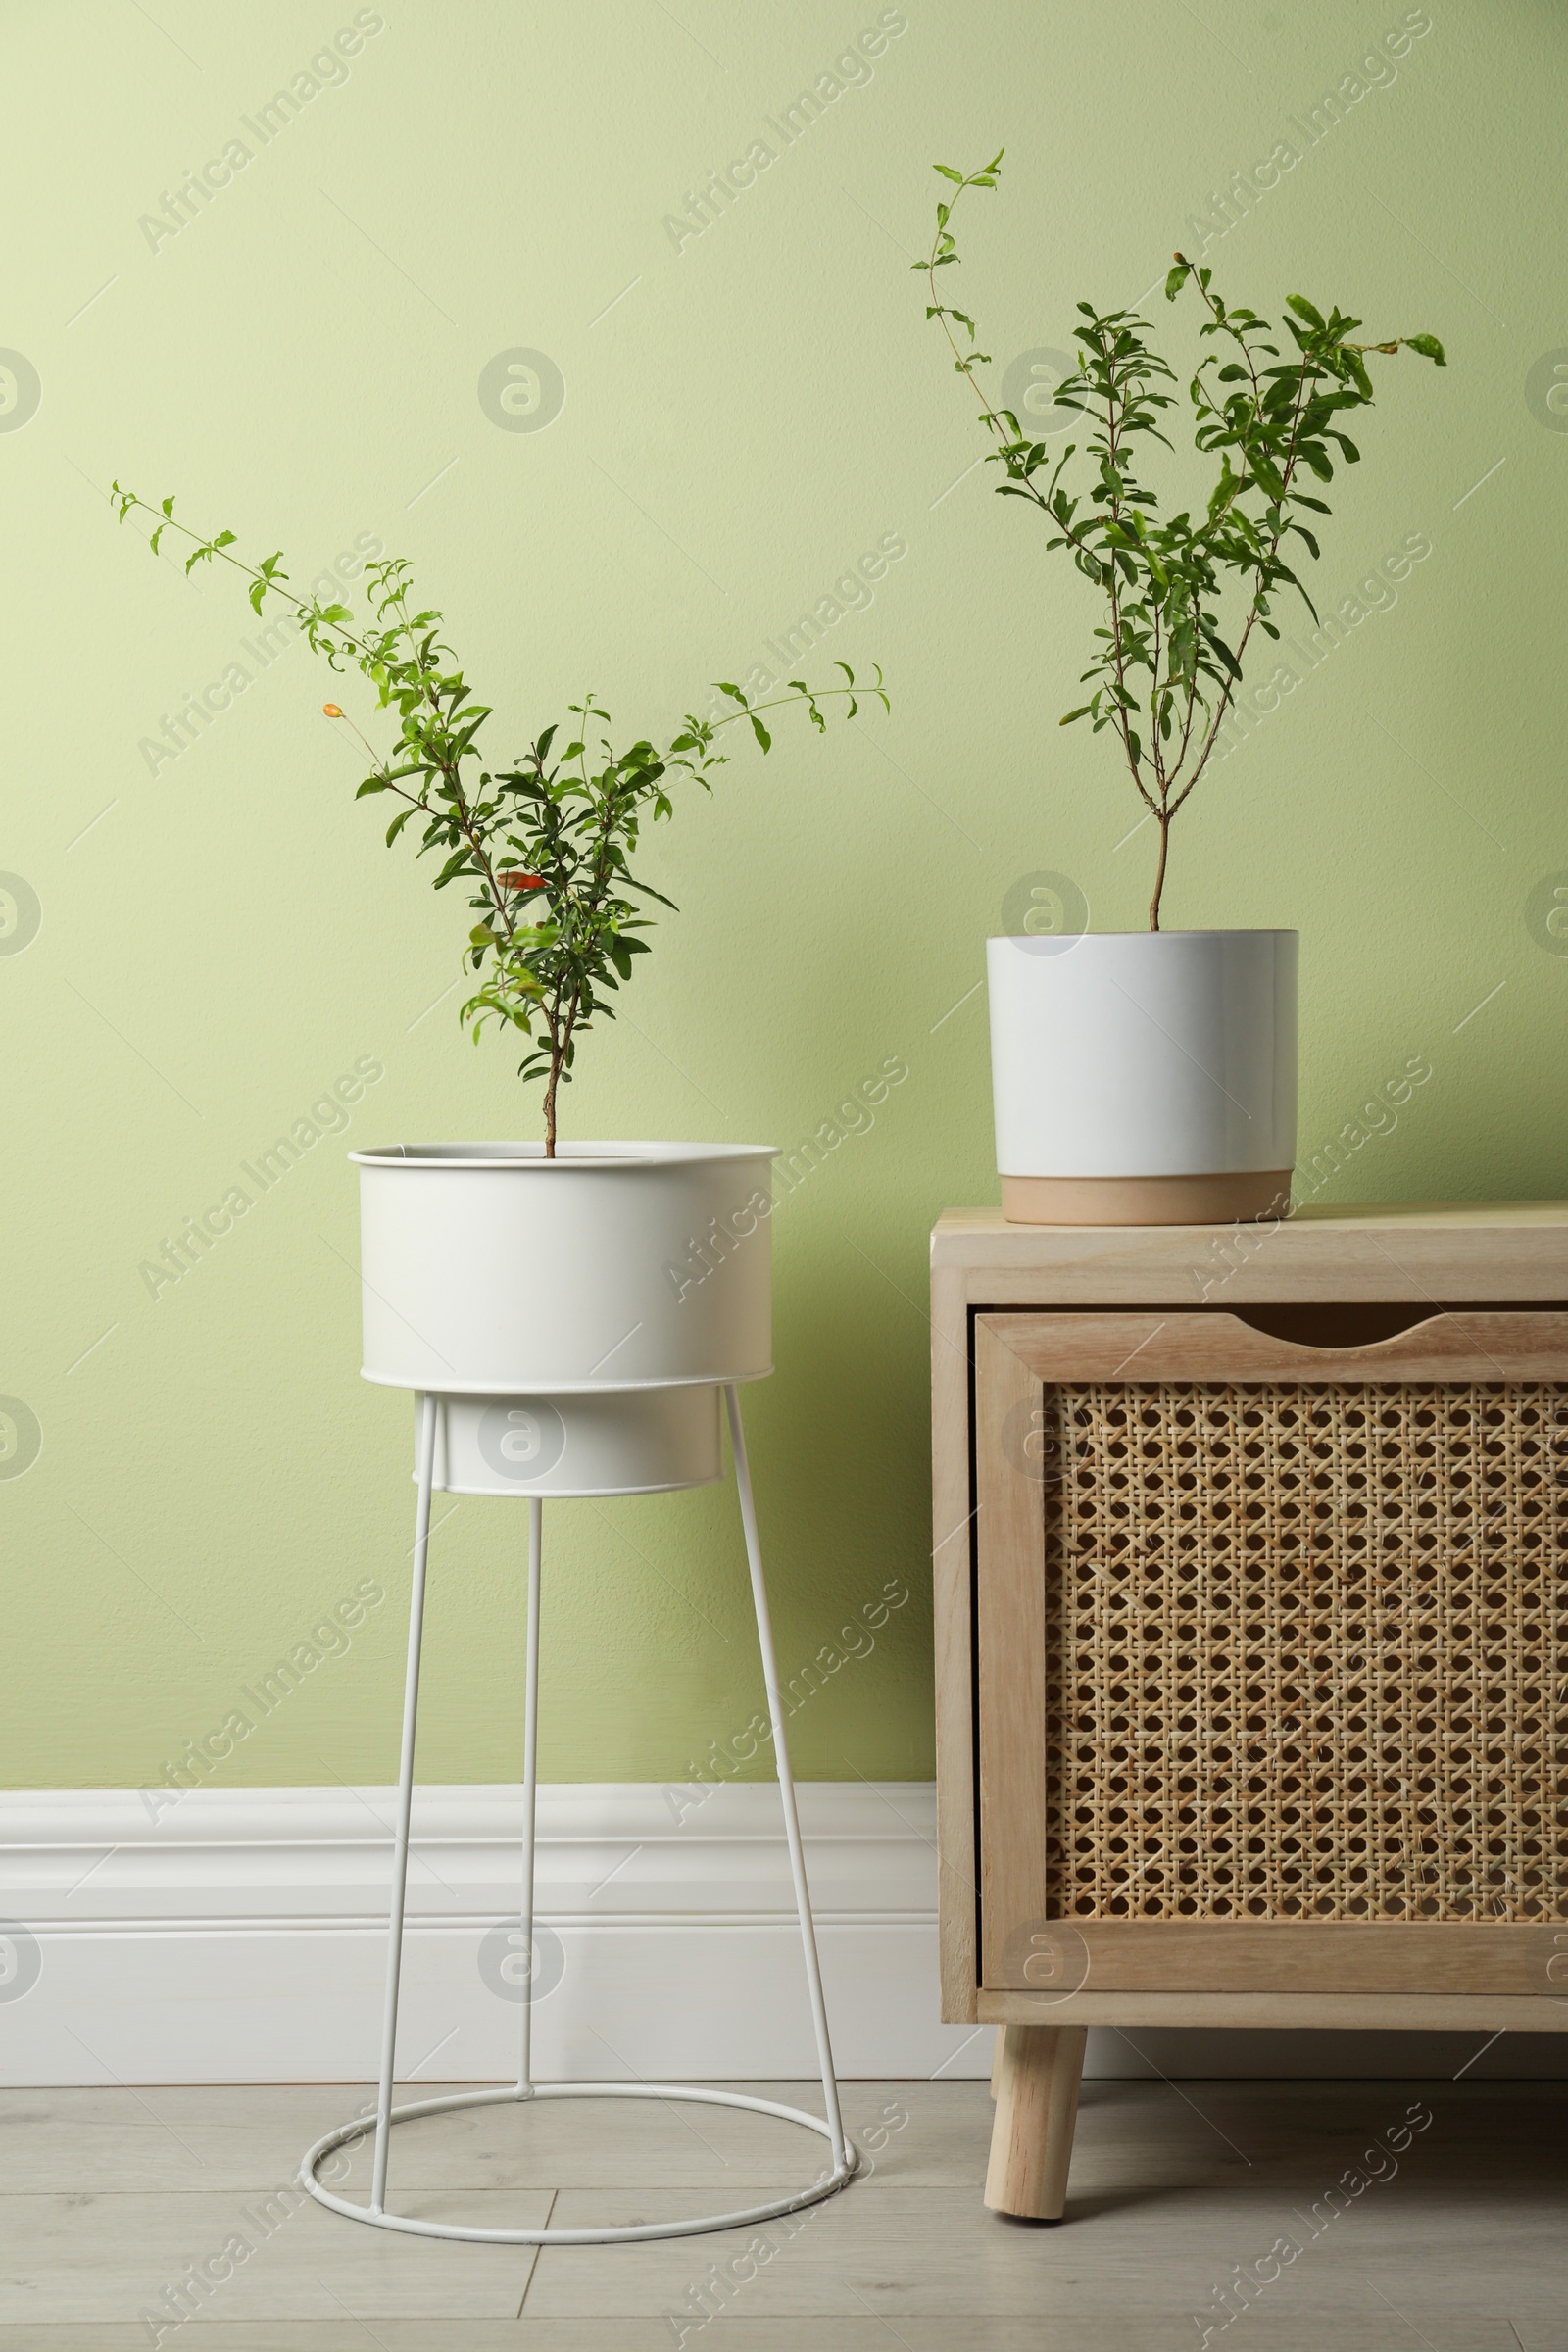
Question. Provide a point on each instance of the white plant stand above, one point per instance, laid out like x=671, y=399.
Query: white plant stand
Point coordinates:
x=844, y=2156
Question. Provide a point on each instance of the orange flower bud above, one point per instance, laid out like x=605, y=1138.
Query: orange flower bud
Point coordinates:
x=331, y=710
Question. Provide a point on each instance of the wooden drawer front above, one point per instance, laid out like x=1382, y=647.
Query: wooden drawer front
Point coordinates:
x=1114, y=1955
x=1274, y=1639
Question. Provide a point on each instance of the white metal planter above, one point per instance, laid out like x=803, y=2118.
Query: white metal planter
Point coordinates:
x=603, y=1442
x=1144, y=1077
x=567, y=1327
x=489, y=1270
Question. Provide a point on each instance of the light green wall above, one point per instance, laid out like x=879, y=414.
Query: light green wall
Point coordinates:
x=760, y=406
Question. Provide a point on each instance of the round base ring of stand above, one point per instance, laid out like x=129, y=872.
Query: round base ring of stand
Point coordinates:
x=827, y=2186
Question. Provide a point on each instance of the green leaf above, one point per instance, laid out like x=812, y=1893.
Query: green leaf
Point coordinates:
x=1305, y=309
x=1219, y=645
x=1429, y=347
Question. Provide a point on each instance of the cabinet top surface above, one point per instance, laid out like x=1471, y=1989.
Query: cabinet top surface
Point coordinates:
x=1463, y=1240
x=1472, y=1215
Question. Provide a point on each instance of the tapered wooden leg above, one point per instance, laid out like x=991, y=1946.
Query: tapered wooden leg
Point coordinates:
x=996, y=2062
x=1036, y=2106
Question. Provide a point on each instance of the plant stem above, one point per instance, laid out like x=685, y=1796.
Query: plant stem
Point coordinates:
x=559, y=1043
x=550, y=1100
x=1116, y=633
x=1159, y=870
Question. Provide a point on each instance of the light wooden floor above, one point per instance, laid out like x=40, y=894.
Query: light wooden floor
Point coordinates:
x=106, y=2197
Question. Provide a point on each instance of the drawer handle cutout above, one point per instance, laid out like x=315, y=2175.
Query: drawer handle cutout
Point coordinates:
x=1349, y=1326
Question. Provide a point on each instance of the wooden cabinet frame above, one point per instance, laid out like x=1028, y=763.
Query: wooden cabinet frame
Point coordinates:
x=1465, y=1293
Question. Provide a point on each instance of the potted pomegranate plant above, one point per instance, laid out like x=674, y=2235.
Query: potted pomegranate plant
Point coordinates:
x=554, y=1272
x=1149, y=1077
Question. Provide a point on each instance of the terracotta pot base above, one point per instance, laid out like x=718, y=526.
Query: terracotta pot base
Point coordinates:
x=1228, y=1200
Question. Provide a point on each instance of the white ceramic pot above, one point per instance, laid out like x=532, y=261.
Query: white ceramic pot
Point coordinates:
x=1144, y=1077
x=491, y=1271
x=603, y=1442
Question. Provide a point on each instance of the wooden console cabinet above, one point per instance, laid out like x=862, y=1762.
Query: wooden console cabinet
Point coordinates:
x=1251, y=1627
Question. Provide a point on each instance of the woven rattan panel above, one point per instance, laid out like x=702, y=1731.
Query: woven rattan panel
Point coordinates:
x=1308, y=1651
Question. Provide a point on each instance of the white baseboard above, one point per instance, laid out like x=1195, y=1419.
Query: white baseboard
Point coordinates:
x=240, y=1937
